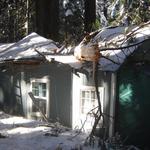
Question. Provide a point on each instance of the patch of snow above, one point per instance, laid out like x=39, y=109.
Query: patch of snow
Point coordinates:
x=68, y=13
x=4, y=46
x=109, y=33
x=15, y=120
x=25, y=134
x=70, y=60
x=113, y=8
x=25, y=47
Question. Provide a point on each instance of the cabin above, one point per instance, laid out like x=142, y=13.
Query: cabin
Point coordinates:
x=55, y=80
x=63, y=86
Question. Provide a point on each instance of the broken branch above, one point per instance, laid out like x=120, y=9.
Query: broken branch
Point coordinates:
x=33, y=100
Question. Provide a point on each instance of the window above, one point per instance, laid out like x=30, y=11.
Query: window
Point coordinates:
x=39, y=89
x=41, y=104
x=89, y=98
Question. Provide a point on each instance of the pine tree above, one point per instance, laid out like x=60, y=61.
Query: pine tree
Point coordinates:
x=123, y=12
x=89, y=15
x=15, y=21
x=71, y=21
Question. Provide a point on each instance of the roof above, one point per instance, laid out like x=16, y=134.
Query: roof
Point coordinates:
x=25, y=48
x=4, y=46
x=111, y=38
x=108, y=39
x=116, y=44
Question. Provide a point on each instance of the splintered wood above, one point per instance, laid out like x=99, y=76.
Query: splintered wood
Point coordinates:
x=87, y=52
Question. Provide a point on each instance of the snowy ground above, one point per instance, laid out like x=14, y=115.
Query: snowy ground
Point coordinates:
x=24, y=134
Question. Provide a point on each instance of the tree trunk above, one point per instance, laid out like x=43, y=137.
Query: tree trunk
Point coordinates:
x=47, y=18
x=40, y=17
x=90, y=14
x=53, y=26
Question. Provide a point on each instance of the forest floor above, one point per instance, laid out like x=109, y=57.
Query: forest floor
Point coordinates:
x=18, y=133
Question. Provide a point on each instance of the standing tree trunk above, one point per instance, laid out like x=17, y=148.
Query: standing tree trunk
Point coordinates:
x=41, y=19
x=90, y=14
x=47, y=18
x=53, y=26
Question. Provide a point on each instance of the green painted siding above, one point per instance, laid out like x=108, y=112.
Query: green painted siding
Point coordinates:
x=134, y=104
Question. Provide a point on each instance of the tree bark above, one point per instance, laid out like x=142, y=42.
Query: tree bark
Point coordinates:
x=89, y=15
x=47, y=18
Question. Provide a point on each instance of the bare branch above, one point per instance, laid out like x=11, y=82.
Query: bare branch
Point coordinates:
x=33, y=100
x=124, y=47
x=136, y=29
x=110, y=60
x=40, y=54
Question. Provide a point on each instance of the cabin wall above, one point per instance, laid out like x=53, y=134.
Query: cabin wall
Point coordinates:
x=133, y=98
x=64, y=91
x=10, y=97
x=15, y=83
x=84, y=79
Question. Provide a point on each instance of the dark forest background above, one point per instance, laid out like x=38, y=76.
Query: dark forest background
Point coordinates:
x=67, y=20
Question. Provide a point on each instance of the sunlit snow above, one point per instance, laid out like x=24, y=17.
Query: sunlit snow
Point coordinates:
x=25, y=134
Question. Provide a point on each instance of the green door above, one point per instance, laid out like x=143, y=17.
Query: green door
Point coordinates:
x=133, y=115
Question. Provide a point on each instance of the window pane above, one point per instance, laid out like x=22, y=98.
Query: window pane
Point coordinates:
x=43, y=89
x=35, y=85
x=39, y=104
x=44, y=86
x=87, y=94
x=83, y=94
x=93, y=94
x=93, y=103
x=82, y=105
x=35, y=89
x=35, y=92
x=39, y=89
x=43, y=93
x=88, y=100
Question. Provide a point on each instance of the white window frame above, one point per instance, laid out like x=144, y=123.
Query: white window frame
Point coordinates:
x=41, y=80
x=91, y=88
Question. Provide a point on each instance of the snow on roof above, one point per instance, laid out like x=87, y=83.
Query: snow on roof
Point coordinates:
x=115, y=44
x=66, y=59
x=25, y=48
x=4, y=46
x=110, y=38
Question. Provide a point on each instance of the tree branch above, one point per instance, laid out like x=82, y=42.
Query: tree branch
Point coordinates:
x=33, y=100
x=124, y=47
x=110, y=60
